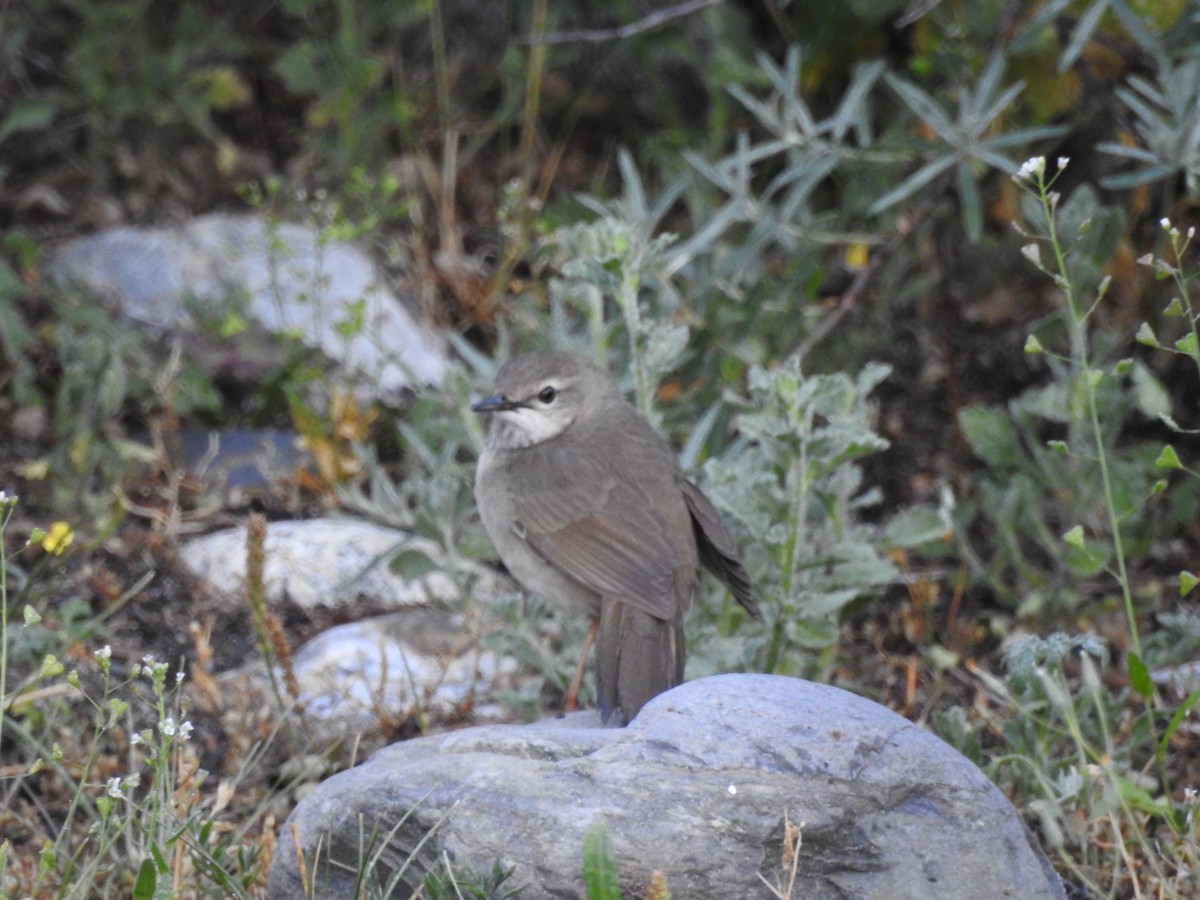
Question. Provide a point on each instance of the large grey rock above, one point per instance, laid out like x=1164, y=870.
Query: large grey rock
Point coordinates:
x=283, y=277
x=697, y=786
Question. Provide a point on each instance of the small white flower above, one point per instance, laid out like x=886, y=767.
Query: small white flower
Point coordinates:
x=114, y=789
x=179, y=677
x=1062, y=161
x=1165, y=223
x=168, y=727
x=1032, y=169
x=136, y=739
x=153, y=669
x=1191, y=232
x=104, y=652
x=185, y=730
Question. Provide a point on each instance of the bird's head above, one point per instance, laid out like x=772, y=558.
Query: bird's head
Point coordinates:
x=539, y=395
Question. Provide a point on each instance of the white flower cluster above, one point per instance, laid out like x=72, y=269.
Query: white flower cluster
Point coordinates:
x=1035, y=169
x=1173, y=231
x=117, y=786
x=169, y=728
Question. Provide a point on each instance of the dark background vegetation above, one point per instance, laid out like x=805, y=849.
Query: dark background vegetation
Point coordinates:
x=853, y=164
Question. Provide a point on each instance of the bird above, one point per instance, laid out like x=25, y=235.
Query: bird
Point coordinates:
x=588, y=507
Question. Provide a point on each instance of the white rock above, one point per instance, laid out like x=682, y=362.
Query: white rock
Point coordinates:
x=326, y=562
x=427, y=660
x=283, y=277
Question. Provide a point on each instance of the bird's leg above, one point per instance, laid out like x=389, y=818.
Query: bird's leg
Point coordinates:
x=571, y=701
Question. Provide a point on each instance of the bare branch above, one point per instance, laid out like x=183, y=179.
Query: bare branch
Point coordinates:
x=602, y=35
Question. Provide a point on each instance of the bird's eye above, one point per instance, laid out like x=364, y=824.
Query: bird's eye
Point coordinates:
x=547, y=395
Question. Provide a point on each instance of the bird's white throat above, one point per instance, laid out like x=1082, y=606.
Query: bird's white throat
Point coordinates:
x=512, y=429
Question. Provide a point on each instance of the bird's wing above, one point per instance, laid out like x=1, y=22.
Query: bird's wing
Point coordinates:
x=718, y=550
x=612, y=536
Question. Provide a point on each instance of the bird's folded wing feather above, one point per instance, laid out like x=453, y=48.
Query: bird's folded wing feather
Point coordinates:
x=611, y=537
x=718, y=550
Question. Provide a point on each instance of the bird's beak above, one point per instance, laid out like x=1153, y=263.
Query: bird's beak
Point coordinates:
x=498, y=403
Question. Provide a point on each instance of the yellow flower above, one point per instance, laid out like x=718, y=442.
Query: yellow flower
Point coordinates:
x=58, y=538
x=857, y=255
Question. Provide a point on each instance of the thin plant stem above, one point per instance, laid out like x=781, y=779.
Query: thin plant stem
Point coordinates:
x=7, y=505
x=1079, y=354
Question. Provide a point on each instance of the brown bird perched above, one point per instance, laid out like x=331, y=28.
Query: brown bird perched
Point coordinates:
x=588, y=507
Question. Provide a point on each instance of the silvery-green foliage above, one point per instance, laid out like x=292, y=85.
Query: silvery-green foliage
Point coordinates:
x=1028, y=654
x=967, y=142
x=791, y=485
x=441, y=438
x=614, y=292
x=1166, y=117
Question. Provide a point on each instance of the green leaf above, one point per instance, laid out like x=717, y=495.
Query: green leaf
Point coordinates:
x=47, y=860
x=1145, y=335
x=160, y=861
x=1187, y=581
x=1177, y=719
x=1139, y=676
x=223, y=87
x=990, y=432
x=51, y=667
x=812, y=634
x=1140, y=798
x=298, y=69
x=413, y=564
x=915, y=526
x=1150, y=396
x=1087, y=561
x=28, y=115
x=147, y=880
x=1168, y=459
x=1053, y=401
x=1074, y=537
x=599, y=868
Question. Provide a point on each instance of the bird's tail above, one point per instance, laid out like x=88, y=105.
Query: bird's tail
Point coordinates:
x=638, y=656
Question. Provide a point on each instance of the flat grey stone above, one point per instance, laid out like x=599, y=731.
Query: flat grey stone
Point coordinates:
x=698, y=787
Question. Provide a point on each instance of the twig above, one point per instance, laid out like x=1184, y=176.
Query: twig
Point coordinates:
x=602, y=35
x=849, y=299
